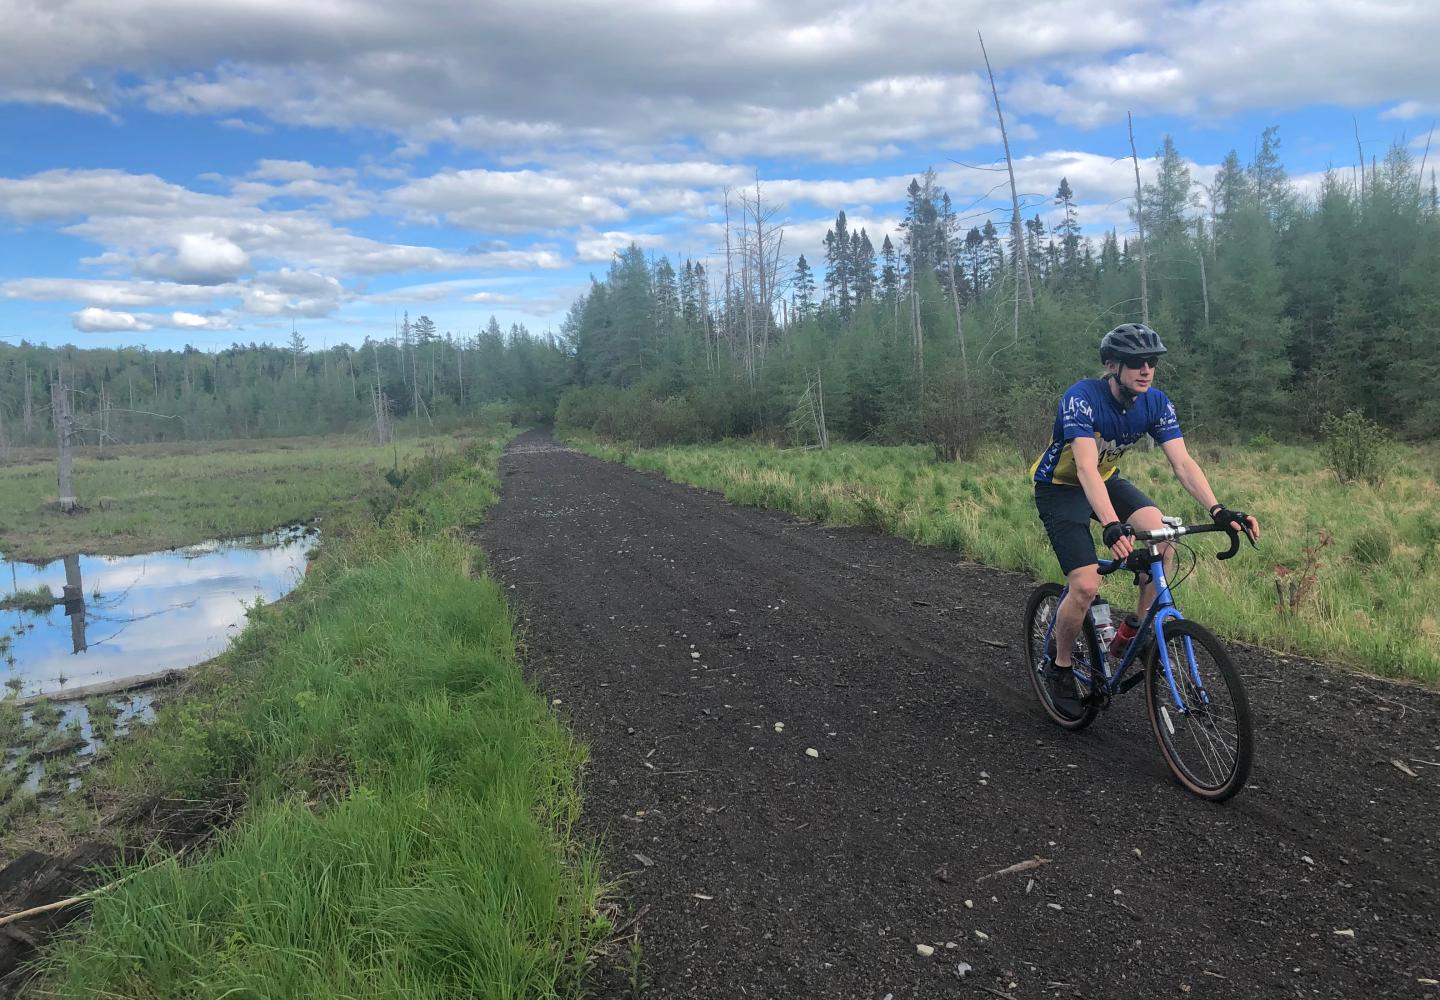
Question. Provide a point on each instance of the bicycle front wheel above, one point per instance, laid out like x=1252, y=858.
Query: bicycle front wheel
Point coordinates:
x=1206, y=737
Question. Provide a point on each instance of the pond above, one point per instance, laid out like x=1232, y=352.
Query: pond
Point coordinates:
x=117, y=617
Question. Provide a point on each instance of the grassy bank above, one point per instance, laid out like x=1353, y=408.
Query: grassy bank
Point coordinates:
x=1362, y=598
x=408, y=799
x=147, y=499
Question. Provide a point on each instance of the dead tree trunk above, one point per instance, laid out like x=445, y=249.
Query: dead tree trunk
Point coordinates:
x=820, y=412
x=29, y=419
x=64, y=437
x=74, y=600
x=1140, y=222
x=1017, y=229
x=1204, y=285
x=959, y=328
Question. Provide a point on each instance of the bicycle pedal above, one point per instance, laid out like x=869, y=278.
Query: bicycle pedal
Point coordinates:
x=1131, y=681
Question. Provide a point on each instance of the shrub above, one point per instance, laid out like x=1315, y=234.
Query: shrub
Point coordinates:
x=950, y=421
x=1356, y=448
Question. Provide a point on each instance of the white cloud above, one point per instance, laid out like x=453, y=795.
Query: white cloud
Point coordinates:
x=640, y=72
x=198, y=259
x=505, y=200
x=298, y=170
x=867, y=122
x=241, y=125
x=168, y=245
x=886, y=73
x=94, y=320
x=194, y=321
x=110, y=293
x=1224, y=56
x=593, y=246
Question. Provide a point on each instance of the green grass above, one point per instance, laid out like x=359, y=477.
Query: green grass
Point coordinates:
x=42, y=598
x=1370, y=604
x=150, y=500
x=410, y=801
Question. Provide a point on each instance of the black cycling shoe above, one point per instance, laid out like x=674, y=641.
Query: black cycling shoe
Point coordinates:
x=1064, y=692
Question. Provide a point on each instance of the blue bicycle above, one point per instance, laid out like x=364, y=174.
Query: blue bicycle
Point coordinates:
x=1197, y=704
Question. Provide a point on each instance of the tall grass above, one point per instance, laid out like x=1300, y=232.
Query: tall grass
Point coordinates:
x=1370, y=603
x=410, y=801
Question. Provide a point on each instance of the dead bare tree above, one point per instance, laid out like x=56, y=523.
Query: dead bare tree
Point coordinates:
x=64, y=439
x=759, y=249
x=728, y=306
x=1359, y=152
x=383, y=428
x=1140, y=222
x=1017, y=229
x=29, y=417
x=1200, y=250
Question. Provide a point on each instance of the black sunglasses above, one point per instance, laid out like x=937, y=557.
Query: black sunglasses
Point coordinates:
x=1135, y=364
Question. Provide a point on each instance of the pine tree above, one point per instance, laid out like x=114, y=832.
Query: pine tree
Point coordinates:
x=1167, y=201
x=1268, y=180
x=838, y=288
x=1068, y=230
x=804, y=284
x=862, y=264
x=889, y=271
x=974, y=254
x=1227, y=191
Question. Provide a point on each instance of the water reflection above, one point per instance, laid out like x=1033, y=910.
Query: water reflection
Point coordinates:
x=142, y=614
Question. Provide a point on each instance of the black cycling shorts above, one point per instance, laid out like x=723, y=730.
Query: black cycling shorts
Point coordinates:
x=1066, y=512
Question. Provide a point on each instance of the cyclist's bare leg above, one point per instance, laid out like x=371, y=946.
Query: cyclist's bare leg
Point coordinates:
x=1148, y=519
x=1084, y=584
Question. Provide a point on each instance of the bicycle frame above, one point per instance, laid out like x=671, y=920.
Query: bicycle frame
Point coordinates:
x=1161, y=610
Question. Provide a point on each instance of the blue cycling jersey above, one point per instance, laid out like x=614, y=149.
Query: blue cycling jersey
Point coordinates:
x=1090, y=409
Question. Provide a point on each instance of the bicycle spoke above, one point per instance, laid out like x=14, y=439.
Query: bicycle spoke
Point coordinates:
x=1209, y=753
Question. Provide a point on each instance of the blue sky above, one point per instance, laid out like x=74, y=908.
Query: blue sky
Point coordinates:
x=186, y=174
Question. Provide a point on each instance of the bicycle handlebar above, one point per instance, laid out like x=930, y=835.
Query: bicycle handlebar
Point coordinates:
x=1169, y=533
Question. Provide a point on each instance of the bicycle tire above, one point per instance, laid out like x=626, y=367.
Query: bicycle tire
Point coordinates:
x=1217, y=767
x=1048, y=595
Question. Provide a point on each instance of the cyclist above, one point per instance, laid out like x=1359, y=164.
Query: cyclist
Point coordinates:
x=1097, y=421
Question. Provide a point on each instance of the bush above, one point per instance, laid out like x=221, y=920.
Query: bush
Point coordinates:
x=950, y=421
x=1356, y=448
x=635, y=415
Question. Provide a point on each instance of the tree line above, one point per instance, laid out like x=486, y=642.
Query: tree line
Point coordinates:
x=1279, y=307
x=419, y=377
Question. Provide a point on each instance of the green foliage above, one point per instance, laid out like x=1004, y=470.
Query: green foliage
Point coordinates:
x=407, y=832
x=1357, y=448
x=42, y=598
x=951, y=415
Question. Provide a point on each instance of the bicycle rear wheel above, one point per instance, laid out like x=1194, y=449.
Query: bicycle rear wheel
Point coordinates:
x=1039, y=614
x=1206, y=740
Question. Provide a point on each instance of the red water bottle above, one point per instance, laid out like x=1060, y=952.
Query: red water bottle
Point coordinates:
x=1126, y=631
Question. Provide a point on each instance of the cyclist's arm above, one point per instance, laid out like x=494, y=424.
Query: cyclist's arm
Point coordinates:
x=1192, y=477
x=1087, y=469
x=1188, y=472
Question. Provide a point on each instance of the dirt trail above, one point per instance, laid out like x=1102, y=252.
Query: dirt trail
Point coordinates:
x=763, y=871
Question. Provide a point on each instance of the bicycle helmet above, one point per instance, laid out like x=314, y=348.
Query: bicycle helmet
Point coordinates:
x=1130, y=340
